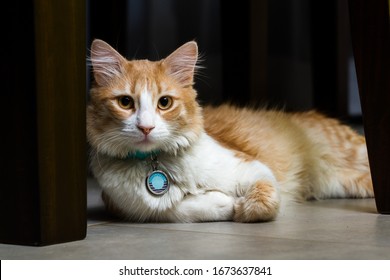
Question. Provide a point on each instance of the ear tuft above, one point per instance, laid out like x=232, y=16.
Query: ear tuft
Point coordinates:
x=181, y=64
x=106, y=62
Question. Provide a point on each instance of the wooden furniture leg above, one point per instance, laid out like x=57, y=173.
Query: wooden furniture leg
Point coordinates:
x=43, y=158
x=370, y=31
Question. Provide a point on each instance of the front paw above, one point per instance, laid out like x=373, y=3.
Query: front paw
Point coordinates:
x=260, y=204
x=206, y=207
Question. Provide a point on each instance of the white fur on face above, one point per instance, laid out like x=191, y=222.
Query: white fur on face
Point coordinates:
x=146, y=116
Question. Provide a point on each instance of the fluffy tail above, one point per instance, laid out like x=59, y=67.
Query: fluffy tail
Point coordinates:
x=341, y=166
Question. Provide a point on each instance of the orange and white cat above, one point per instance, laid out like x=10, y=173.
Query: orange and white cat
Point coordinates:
x=159, y=156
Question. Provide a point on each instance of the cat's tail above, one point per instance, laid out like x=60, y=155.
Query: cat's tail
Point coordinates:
x=338, y=167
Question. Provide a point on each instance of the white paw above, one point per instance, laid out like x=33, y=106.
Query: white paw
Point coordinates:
x=210, y=206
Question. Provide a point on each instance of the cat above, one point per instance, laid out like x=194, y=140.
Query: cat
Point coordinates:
x=159, y=157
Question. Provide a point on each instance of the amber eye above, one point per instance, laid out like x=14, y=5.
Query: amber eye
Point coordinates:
x=165, y=102
x=126, y=102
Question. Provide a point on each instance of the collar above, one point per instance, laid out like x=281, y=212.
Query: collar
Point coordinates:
x=141, y=155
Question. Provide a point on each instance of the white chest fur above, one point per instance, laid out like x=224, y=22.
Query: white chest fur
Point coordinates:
x=205, y=180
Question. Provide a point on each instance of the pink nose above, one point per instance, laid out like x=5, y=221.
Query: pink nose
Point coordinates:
x=145, y=130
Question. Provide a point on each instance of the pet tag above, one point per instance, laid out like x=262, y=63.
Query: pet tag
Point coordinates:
x=157, y=182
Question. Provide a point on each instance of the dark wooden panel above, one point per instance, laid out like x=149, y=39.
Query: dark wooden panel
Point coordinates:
x=19, y=197
x=371, y=43
x=44, y=201
x=61, y=72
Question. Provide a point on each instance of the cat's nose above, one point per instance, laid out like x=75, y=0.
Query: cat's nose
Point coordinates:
x=145, y=129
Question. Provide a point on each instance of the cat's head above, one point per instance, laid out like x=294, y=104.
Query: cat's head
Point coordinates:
x=142, y=105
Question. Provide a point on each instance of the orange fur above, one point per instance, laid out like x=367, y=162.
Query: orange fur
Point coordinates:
x=185, y=113
x=258, y=205
x=310, y=156
x=300, y=148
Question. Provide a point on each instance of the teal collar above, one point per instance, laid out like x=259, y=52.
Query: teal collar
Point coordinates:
x=141, y=155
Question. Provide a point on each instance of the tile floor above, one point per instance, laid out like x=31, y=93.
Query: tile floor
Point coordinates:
x=331, y=229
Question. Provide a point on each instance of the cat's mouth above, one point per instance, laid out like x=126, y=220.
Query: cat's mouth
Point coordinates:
x=146, y=141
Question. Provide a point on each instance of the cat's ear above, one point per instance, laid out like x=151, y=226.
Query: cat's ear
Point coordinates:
x=106, y=62
x=181, y=63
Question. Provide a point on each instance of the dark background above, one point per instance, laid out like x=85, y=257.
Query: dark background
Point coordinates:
x=290, y=54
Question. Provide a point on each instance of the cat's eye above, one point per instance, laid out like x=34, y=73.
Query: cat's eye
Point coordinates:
x=165, y=102
x=126, y=102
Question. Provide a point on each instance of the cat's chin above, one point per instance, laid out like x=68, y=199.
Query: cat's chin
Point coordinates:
x=146, y=146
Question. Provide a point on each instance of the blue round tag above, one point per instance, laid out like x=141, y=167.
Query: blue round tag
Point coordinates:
x=157, y=182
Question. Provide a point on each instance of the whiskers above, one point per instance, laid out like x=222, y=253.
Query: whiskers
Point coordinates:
x=113, y=142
